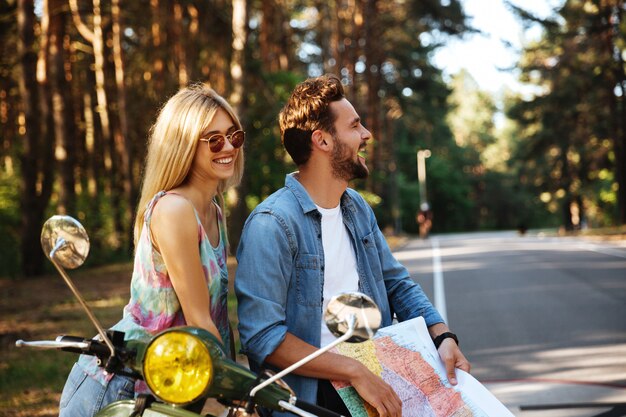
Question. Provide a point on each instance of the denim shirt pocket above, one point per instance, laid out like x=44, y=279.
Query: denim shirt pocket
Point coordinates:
x=308, y=280
x=372, y=255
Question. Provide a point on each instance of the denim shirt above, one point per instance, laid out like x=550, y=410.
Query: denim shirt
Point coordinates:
x=280, y=276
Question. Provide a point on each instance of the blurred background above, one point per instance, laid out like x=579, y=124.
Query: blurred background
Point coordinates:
x=486, y=116
x=521, y=110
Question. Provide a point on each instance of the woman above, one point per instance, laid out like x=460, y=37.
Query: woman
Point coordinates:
x=180, y=275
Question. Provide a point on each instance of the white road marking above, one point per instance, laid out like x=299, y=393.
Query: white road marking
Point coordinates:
x=439, y=289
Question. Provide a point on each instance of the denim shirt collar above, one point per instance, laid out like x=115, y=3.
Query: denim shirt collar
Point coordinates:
x=304, y=199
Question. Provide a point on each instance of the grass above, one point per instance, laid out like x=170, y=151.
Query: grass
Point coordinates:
x=31, y=380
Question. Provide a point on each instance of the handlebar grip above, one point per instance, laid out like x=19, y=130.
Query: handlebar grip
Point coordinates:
x=316, y=409
x=71, y=339
x=81, y=345
x=93, y=347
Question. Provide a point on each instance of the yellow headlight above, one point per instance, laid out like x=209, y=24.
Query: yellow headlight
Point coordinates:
x=177, y=367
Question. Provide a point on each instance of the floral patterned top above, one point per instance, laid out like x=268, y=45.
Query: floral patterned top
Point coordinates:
x=153, y=305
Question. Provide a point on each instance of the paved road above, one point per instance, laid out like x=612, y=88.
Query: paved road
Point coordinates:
x=542, y=319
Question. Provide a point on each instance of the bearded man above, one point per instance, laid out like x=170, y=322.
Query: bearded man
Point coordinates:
x=314, y=238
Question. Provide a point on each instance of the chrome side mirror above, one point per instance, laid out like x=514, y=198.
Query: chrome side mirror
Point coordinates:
x=353, y=316
x=65, y=242
x=366, y=315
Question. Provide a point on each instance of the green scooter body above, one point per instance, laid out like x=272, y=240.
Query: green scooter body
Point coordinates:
x=231, y=382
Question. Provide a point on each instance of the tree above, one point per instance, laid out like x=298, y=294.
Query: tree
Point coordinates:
x=576, y=124
x=36, y=155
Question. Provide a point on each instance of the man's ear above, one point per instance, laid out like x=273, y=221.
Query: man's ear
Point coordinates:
x=320, y=140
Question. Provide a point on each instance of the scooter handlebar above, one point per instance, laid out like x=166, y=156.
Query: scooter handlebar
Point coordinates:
x=52, y=344
x=73, y=344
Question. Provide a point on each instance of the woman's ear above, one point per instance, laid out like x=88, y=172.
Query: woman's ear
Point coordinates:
x=320, y=140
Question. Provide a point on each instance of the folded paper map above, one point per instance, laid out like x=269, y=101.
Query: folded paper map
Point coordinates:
x=405, y=357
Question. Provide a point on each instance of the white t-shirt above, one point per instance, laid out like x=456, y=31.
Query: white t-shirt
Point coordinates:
x=340, y=269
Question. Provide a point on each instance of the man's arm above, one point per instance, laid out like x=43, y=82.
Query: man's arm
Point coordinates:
x=263, y=273
x=333, y=366
x=406, y=297
x=401, y=288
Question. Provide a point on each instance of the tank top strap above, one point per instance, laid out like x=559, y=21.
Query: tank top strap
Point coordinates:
x=150, y=207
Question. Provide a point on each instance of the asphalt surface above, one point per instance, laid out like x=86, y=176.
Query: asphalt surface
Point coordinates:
x=541, y=319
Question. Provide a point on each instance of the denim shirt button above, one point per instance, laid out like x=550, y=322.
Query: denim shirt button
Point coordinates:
x=366, y=241
x=319, y=235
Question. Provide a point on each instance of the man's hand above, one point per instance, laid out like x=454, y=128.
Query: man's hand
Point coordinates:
x=333, y=366
x=377, y=393
x=452, y=358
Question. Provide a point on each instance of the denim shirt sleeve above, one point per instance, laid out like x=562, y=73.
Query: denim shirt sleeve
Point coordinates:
x=406, y=297
x=264, y=258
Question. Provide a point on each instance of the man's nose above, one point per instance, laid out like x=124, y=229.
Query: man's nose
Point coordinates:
x=366, y=135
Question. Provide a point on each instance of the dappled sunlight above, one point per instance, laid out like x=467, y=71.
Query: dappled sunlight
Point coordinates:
x=498, y=246
x=536, y=392
x=603, y=364
x=575, y=375
x=115, y=301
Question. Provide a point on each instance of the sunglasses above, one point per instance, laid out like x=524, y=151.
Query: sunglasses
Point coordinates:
x=217, y=141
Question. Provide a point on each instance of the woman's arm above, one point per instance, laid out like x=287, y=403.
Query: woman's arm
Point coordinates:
x=174, y=230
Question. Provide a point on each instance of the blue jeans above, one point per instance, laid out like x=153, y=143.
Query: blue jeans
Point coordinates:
x=83, y=396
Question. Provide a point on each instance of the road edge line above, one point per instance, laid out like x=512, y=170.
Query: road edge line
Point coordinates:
x=438, y=285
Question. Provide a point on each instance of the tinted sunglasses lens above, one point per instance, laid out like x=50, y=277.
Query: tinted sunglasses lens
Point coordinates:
x=216, y=143
x=237, y=138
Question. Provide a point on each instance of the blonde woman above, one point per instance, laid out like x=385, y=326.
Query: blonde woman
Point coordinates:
x=180, y=276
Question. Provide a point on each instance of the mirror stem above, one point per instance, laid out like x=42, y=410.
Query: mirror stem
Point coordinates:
x=351, y=319
x=59, y=244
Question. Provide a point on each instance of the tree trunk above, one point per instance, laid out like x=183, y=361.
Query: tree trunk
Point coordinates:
x=274, y=36
x=62, y=109
x=46, y=146
x=179, y=48
x=324, y=33
x=238, y=57
x=238, y=100
x=94, y=164
x=372, y=78
x=122, y=140
x=102, y=141
x=158, y=67
x=33, y=197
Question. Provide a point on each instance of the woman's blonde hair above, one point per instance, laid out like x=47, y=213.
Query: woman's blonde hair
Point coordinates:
x=173, y=141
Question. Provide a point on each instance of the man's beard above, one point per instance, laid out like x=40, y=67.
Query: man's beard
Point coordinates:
x=343, y=165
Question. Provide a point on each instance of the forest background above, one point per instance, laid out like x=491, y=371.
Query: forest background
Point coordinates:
x=81, y=82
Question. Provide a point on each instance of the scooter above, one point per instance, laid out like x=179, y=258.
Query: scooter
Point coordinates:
x=184, y=366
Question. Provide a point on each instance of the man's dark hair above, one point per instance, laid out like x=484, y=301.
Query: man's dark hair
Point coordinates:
x=308, y=109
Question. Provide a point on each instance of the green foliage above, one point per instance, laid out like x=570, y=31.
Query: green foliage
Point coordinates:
x=266, y=161
x=372, y=199
x=567, y=133
x=564, y=146
x=9, y=226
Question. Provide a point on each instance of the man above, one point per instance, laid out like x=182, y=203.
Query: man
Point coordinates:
x=315, y=238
